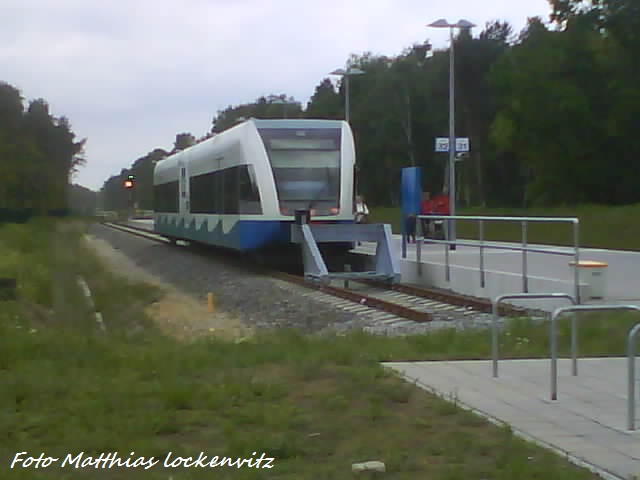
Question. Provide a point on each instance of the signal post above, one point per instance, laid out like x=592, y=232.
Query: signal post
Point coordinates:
x=130, y=184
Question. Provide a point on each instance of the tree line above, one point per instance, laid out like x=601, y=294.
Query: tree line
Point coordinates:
x=550, y=113
x=38, y=154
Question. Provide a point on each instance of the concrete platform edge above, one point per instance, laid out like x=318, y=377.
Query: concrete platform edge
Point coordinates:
x=580, y=462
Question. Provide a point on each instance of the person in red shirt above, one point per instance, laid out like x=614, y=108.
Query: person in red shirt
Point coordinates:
x=439, y=206
x=426, y=208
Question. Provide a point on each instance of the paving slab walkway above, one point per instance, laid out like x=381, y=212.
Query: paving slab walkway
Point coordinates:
x=588, y=422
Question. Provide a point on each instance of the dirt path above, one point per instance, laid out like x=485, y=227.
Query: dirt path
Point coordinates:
x=176, y=314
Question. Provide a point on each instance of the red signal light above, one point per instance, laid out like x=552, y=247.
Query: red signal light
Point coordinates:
x=129, y=182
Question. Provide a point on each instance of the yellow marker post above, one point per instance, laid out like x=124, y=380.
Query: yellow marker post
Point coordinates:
x=211, y=304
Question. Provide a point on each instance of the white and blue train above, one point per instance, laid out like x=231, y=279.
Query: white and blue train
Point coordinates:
x=241, y=188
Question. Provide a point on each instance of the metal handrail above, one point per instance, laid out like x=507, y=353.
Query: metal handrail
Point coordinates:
x=524, y=248
x=498, y=218
x=494, y=320
x=506, y=246
x=630, y=353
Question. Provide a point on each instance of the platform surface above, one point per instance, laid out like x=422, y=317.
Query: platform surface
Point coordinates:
x=588, y=421
x=146, y=223
x=545, y=271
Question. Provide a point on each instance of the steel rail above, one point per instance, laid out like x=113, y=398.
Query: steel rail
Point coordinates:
x=480, y=304
x=138, y=231
x=359, y=298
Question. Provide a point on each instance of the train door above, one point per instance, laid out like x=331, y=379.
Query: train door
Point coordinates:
x=184, y=189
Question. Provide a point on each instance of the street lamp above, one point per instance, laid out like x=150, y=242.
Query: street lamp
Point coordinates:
x=346, y=74
x=462, y=24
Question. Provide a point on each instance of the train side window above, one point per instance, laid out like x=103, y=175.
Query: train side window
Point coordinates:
x=165, y=197
x=194, y=194
x=202, y=193
x=230, y=190
x=172, y=197
x=217, y=192
x=248, y=194
x=212, y=193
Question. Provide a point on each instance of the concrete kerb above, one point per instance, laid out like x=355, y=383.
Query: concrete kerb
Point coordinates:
x=90, y=303
x=464, y=280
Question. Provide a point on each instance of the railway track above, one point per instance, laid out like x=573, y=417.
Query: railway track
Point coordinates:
x=388, y=305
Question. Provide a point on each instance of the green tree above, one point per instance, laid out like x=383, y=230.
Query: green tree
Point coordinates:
x=550, y=89
x=38, y=155
x=475, y=110
x=82, y=201
x=11, y=109
x=325, y=102
x=617, y=23
x=183, y=140
x=272, y=106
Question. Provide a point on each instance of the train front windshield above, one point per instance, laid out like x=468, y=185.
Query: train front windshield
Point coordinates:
x=306, y=168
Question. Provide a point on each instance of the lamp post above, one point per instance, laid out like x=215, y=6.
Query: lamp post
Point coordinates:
x=346, y=74
x=463, y=24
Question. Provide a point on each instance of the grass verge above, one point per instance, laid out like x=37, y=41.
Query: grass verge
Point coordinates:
x=315, y=404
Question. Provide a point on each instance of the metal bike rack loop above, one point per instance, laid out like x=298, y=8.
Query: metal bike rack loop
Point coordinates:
x=630, y=353
x=494, y=319
x=631, y=371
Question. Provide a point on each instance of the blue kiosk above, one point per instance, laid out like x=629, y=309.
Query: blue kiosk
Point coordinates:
x=410, y=198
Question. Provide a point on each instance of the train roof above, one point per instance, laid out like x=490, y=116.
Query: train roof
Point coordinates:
x=296, y=123
x=309, y=123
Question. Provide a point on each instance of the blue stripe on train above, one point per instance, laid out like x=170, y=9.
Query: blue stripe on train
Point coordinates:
x=256, y=234
x=244, y=235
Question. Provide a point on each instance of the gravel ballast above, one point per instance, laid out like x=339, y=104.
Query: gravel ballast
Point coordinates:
x=259, y=301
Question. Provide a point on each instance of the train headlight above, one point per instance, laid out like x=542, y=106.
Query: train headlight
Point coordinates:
x=334, y=210
x=285, y=211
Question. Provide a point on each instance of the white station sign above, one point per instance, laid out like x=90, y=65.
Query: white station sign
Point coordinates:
x=442, y=144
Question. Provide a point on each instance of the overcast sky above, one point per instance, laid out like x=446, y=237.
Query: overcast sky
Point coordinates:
x=130, y=74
